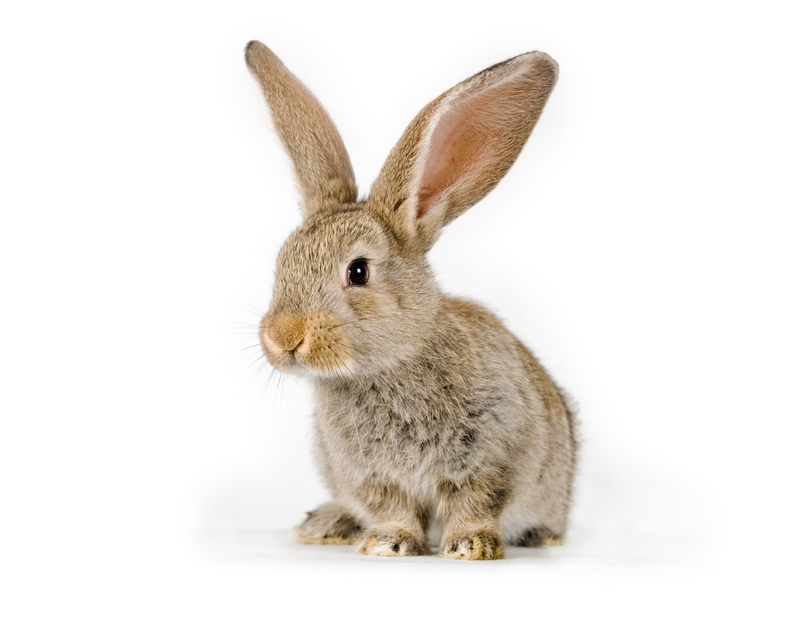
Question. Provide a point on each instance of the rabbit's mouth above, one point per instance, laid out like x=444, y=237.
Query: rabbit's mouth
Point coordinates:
x=300, y=344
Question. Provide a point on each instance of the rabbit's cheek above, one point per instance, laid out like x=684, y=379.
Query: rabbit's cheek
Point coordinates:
x=325, y=348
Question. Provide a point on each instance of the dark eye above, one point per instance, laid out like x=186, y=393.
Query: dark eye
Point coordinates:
x=358, y=273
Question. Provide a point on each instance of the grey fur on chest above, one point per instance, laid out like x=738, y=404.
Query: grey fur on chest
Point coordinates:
x=426, y=423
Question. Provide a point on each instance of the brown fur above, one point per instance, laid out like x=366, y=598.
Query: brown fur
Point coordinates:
x=428, y=409
x=321, y=163
x=328, y=525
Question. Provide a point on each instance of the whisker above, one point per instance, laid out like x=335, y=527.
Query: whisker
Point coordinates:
x=251, y=346
x=251, y=359
x=252, y=308
x=342, y=363
x=233, y=353
x=263, y=390
x=345, y=345
x=279, y=391
x=255, y=373
x=252, y=362
x=345, y=323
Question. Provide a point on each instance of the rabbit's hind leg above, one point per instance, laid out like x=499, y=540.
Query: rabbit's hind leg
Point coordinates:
x=328, y=524
x=538, y=537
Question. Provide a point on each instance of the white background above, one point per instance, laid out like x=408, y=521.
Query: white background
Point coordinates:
x=644, y=246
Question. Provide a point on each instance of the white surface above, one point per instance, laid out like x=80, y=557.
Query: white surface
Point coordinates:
x=597, y=574
x=644, y=245
x=583, y=548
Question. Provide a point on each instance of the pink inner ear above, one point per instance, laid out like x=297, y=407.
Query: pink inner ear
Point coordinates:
x=469, y=148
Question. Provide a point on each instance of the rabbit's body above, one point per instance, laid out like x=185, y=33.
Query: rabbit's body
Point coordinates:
x=474, y=408
x=428, y=410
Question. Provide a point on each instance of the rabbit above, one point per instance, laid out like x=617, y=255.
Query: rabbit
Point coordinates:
x=429, y=413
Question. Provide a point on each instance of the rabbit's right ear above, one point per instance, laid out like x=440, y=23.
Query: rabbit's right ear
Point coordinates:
x=460, y=146
x=321, y=164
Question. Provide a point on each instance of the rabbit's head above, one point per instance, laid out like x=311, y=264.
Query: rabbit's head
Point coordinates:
x=353, y=293
x=347, y=298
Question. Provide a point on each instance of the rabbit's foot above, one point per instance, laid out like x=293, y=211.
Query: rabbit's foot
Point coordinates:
x=328, y=524
x=477, y=546
x=538, y=537
x=391, y=542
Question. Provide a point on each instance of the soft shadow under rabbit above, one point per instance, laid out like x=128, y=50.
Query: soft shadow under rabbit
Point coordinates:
x=427, y=408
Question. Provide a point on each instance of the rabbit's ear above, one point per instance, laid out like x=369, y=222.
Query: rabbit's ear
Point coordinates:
x=460, y=146
x=321, y=164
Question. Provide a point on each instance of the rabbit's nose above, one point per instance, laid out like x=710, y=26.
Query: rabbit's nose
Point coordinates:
x=285, y=332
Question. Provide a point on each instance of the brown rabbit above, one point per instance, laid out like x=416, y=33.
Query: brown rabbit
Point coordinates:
x=428, y=410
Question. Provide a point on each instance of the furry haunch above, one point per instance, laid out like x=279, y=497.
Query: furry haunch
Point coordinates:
x=428, y=410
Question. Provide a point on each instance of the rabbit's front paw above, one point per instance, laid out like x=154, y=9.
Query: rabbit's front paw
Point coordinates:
x=328, y=524
x=391, y=542
x=478, y=546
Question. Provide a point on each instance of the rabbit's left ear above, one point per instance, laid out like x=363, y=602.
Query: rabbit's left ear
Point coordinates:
x=460, y=146
x=321, y=164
